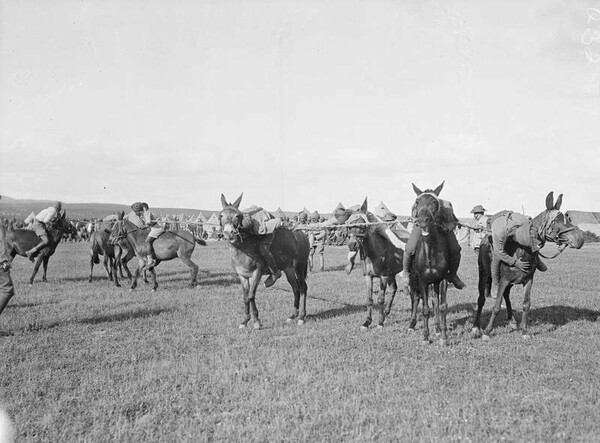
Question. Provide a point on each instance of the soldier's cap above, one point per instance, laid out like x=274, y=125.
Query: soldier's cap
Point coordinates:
x=137, y=206
x=478, y=209
x=57, y=205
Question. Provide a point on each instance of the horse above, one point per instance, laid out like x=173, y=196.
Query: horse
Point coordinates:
x=168, y=245
x=430, y=264
x=289, y=248
x=379, y=259
x=550, y=225
x=19, y=241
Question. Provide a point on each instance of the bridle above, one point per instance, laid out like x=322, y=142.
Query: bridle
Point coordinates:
x=548, y=232
x=235, y=234
x=432, y=214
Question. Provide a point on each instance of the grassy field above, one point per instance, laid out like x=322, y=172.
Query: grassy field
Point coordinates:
x=90, y=362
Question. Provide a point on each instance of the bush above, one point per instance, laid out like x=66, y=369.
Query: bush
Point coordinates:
x=590, y=237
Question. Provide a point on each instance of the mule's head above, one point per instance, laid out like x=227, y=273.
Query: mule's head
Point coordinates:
x=552, y=225
x=118, y=232
x=231, y=218
x=357, y=232
x=63, y=224
x=427, y=208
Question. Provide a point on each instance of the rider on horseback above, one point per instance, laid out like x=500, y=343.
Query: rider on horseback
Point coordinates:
x=141, y=216
x=258, y=222
x=39, y=225
x=447, y=223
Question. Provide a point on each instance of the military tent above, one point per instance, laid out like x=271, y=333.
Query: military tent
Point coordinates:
x=381, y=209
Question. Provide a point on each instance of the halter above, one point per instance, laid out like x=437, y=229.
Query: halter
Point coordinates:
x=433, y=214
x=236, y=235
x=545, y=230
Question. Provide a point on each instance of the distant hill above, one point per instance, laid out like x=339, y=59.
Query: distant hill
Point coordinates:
x=11, y=207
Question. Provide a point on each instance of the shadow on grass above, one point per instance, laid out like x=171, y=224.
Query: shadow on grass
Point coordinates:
x=29, y=305
x=116, y=317
x=346, y=309
x=553, y=315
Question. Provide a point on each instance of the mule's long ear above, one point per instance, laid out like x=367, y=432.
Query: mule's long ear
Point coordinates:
x=224, y=201
x=437, y=190
x=363, y=208
x=550, y=200
x=236, y=204
x=417, y=190
x=558, y=202
x=121, y=215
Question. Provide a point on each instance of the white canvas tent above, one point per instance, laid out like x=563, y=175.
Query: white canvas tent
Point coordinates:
x=381, y=209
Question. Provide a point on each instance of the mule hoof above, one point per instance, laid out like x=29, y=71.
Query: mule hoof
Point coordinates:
x=256, y=325
x=526, y=336
x=289, y=320
x=242, y=326
x=301, y=322
x=513, y=325
x=411, y=329
x=485, y=337
x=153, y=289
x=118, y=285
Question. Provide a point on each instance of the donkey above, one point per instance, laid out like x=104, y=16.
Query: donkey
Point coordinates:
x=379, y=259
x=289, y=248
x=550, y=225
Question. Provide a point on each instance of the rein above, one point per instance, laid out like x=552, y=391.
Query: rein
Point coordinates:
x=561, y=248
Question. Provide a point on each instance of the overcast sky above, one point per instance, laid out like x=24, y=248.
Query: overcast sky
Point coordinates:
x=301, y=103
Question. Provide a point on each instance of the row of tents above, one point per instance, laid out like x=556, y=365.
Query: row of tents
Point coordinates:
x=586, y=221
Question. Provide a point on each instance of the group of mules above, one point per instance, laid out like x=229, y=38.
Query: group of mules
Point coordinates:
x=119, y=241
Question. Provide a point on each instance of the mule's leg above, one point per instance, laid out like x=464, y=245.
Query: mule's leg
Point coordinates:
x=476, y=329
x=254, y=281
x=381, y=300
x=425, y=311
x=414, y=306
x=36, y=267
x=45, y=268
x=290, y=274
x=245, y=282
x=502, y=286
x=114, y=264
x=91, y=267
x=526, y=307
x=443, y=291
x=106, y=262
x=124, y=261
x=435, y=300
x=138, y=271
x=369, y=286
x=153, y=273
x=193, y=269
x=512, y=321
x=394, y=288
x=303, y=292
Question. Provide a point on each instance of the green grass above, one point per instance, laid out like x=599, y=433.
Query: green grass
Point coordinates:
x=90, y=362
